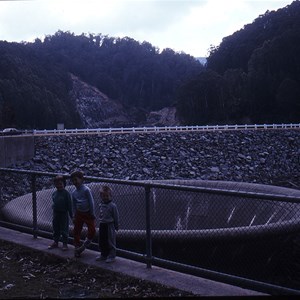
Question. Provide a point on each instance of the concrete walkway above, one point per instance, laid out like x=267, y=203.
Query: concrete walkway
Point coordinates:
x=196, y=285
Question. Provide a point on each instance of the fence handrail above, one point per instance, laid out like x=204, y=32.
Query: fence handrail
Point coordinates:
x=169, y=186
x=162, y=129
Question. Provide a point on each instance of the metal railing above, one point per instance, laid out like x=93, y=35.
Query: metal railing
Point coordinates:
x=240, y=237
x=162, y=129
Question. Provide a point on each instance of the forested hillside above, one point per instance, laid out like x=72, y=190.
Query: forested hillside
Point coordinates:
x=33, y=93
x=35, y=77
x=252, y=76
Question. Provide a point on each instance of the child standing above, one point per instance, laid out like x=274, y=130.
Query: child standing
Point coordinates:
x=83, y=204
x=109, y=224
x=62, y=209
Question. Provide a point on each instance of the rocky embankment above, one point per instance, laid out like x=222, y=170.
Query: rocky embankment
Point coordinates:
x=262, y=156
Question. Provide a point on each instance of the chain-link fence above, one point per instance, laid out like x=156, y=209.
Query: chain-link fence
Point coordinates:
x=228, y=234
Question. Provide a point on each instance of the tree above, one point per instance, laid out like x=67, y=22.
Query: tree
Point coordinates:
x=288, y=101
x=204, y=99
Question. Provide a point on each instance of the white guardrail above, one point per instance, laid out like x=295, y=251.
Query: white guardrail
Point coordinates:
x=162, y=129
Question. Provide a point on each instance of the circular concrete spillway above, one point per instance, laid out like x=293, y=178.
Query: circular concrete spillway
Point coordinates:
x=177, y=214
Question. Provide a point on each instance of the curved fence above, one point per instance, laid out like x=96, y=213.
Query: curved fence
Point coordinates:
x=244, y=234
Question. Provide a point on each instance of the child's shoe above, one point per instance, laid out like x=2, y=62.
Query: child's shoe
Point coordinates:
x=53, y=245
x=79, y=250
x=87, y=242
x=76, y=252
x=110, y=259
x=101, y=258
x=65, y=247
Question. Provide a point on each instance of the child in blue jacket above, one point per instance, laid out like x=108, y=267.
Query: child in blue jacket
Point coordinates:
x=109, y=224
x=62, y=210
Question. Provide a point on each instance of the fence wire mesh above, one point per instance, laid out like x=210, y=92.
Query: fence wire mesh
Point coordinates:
x=250, y=235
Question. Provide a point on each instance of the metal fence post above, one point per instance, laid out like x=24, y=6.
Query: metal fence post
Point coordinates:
x=34, y=206
x=148, y=229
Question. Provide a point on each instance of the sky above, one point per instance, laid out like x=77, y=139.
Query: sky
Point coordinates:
x=189, y=26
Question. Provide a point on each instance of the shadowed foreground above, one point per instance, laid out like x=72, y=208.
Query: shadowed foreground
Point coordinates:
x=26, y=273
x=33, y=271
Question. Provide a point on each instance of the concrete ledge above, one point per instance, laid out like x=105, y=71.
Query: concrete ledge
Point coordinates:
x=197, y=286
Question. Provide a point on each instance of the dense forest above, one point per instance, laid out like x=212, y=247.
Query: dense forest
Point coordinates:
x=35, y=77
x=253, y=76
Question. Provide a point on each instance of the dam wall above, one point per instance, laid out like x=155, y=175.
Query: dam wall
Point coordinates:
x=15, y=149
